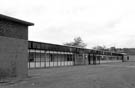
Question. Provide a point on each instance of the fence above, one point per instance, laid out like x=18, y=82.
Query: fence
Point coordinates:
x=43, y=55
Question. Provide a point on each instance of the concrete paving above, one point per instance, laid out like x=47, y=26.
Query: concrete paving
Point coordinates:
x=112, y=75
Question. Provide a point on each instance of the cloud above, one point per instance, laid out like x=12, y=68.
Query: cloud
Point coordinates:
x=113, y=23
x=96, y=21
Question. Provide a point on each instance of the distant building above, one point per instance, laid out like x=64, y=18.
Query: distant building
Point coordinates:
x=128, y=52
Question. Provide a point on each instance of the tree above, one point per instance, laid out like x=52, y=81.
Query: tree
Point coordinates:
x=78, y=42
x=113, y=49
x=100, y=47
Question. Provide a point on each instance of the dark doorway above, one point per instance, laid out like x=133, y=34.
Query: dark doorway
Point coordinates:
x=89, y=59
x=94, y=59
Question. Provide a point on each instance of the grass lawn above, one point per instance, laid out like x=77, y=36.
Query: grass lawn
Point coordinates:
x=111, y=75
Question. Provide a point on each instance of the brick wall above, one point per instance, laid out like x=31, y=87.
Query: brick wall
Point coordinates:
x=13, y=49
x=13, y=29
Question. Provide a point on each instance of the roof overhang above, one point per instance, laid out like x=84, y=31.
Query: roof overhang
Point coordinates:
x=16, y=20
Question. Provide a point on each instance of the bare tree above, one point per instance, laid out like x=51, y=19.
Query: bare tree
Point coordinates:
x=113, y=49
x=100, y=47
x=78, y=42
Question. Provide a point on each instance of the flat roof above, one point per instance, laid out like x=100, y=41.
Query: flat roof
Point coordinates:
x=15, y=20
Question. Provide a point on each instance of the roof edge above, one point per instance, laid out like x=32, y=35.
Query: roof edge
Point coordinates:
x=16, y=20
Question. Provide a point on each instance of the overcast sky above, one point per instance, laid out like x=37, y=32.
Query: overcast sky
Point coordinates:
x=97, y=22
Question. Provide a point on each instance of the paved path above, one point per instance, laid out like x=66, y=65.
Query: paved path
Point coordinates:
x=112, y=75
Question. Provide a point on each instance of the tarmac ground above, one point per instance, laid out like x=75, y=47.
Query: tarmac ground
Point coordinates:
x=109, y=75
